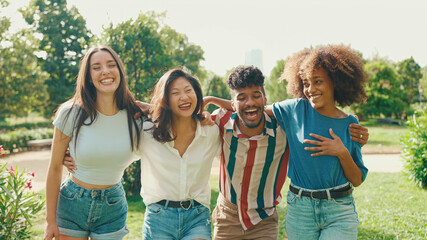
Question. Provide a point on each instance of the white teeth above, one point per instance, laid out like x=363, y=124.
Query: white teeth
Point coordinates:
x=251, y=110
x=110, y=80
x=314, y=97
x=185, y=105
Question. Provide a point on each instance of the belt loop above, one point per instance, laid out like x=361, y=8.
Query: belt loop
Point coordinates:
x=166, y=204
x=329, y=194
x=192, y=203
x=299, y=193
x=81, y=192
x=102, y=193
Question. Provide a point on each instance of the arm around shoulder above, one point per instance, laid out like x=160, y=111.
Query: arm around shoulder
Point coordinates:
x=219, y=102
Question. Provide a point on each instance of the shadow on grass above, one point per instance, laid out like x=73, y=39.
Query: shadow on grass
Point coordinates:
x=367, y=233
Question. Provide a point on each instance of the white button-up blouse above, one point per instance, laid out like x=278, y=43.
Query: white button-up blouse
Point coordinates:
x=167, y=175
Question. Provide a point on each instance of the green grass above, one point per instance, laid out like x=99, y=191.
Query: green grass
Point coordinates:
x=383, y=138
x=388, y=204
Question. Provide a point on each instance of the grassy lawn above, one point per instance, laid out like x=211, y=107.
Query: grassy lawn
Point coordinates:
x=383, y=138
x=389, y=207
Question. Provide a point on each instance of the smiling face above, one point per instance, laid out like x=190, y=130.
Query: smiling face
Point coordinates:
x=249, y=104
x=104, y=72
x=319, y=90
x=182, y=98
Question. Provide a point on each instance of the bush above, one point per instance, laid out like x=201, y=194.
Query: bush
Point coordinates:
x=414, y=148
x=132, y=179
x=18, y=139
x=18, y=205
x=6, y=127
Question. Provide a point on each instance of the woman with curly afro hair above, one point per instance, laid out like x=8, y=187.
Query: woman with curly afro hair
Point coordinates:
x=324, y=162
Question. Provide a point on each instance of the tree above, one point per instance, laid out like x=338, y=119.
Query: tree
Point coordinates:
x=215, y=86
x=22, y=88
x=63, y=37
x=149, y=48
x=383, y=92
x=276, y=87
x=4, y=21
x=409, y=73
x=182, y=52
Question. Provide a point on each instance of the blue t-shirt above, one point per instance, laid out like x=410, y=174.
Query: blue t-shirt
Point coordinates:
x=299, y=119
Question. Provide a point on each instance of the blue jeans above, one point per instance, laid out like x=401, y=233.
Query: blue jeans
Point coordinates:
x=162, y=222
x=99, y=214
x=308, y=218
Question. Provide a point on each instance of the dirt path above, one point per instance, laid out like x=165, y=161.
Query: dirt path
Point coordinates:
x=38, y=161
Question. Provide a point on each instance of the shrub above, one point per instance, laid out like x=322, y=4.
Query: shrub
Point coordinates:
x=17, y=203
x=18, y=139
x=6, y=127
x=131, y=179
x=414, y=148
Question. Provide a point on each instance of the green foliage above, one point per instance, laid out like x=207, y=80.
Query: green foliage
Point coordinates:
x=18, y=139
x=18, y=205
x=132, y=179
x=6, y=126
x=148, y=48
x=22, y=88
x=382, y=90
x=4, y=21
x=63, y=37
x=274, y=86
x=215, y=86
x=409, y=73
x=414, y=148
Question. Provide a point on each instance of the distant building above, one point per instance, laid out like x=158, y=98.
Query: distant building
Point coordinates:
x=254, y=57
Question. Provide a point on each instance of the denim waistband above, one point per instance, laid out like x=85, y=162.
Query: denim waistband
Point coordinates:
x=324, y=189
x=81, y=191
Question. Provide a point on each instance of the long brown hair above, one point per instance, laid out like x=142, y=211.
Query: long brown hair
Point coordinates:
x=160, y=110
x=84, y=98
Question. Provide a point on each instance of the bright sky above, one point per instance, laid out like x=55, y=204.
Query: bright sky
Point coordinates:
x=227, y=29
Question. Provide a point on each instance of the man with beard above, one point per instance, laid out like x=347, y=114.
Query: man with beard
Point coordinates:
x=253, y=163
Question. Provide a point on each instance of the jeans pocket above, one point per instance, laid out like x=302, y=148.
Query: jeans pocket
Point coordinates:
x=201, y=209
x=291, y=197
x=344, y=201
x=68, y=193
x=154, y=209
x=115, y=199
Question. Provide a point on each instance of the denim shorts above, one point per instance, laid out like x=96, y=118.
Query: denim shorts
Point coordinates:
x=313, y=219
x=99, y=214
x=162, y=222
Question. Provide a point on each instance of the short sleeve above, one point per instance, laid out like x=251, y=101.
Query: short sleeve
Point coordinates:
x=283, y=109
x=65, y=119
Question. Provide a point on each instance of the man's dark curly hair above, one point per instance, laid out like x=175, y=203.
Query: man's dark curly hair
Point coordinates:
x=246, y=76
x=345, y=67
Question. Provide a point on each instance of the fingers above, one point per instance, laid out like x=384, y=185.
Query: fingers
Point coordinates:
x=207, y=121
x=333, y=135
x=321, y=138
x=312, y=142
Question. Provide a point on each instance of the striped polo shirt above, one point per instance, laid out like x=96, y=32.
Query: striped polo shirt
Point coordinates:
x=252, y=169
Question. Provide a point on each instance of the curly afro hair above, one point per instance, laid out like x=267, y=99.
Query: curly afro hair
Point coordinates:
x=245, y=76
x=345, y=67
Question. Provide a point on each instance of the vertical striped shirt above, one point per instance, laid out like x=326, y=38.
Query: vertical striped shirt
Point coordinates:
x=252, y=169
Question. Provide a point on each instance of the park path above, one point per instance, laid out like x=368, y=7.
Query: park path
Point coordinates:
x=38, y=161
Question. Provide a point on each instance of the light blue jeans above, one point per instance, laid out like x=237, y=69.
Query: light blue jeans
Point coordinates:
x=99, y=214
x=334, y=219
x=162, y=222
